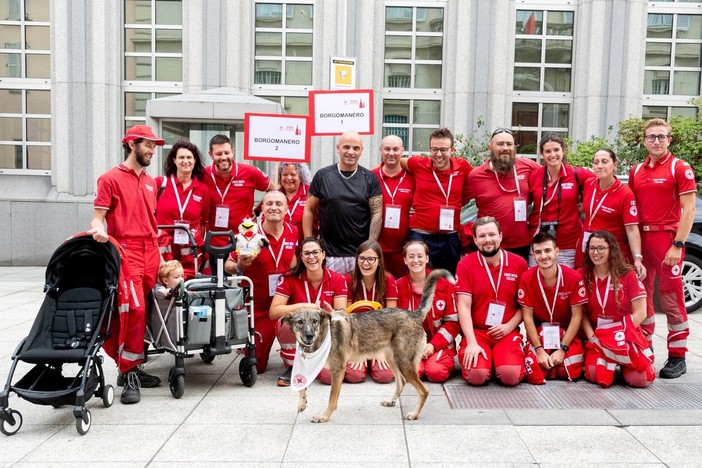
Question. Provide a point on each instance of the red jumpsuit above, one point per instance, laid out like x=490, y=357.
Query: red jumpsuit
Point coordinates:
x=441, y=326
x=130, y=201
x=657, y=190
x=506, y=354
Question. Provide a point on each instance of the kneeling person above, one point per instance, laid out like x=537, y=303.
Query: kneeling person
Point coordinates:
x=552, y=298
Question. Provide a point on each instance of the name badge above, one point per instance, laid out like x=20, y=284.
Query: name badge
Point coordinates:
x=222, y=216
x=520, y=209
x=180, y=237
x=446, y=218
x=586, y=237
x=496, y=312
x=246, y=251
x=601, y=321
x=551, y=336
x=392, y=217
x=273, y=283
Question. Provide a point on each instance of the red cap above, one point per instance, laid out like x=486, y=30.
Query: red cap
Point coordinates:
x=141, y=131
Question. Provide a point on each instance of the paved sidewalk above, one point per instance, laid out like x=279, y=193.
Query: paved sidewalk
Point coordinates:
x=220, y=422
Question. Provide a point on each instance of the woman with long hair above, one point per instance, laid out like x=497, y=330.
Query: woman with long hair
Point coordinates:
x=309, y=285
x=182, y=199
x=616, y=306
x=294, y=181
x=441, y=324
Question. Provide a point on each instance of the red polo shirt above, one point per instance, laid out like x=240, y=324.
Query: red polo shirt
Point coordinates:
x=293, y=287
x=630, y=288
x=397, y=190
x=611, y=210
x=657, y=189
x=130, y=201
x=195, y=201
x=494, y=195
x=571, y=292
x=370, y=295
x=472, y=279
x=430, y=197
x=296, y=207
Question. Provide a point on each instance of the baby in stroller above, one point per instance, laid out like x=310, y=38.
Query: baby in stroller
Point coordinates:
x=170, y=274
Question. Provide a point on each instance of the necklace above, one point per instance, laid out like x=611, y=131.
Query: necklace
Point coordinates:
x=342, y=175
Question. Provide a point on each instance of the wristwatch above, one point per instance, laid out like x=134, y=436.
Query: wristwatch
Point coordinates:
x=679, y=244
x=565, y=347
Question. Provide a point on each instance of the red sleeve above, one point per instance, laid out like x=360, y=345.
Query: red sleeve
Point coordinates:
x=578, y=292
x=463, y=285
x=634, y=288
x=684, y=177
x=466, y=186
x=450, y=327
x=285, y=286
x=629, y=210
x=261, y=180
x=523, y=296
x=340, y=286
x=103, y=195
x=584, y=174
x=417, y=163
x=391, y=292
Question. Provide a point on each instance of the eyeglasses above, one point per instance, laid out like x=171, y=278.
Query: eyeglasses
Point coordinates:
x=370, y=260
x=653, y=138
x=502, y=130
x=311, y=253
x=597, y=248
x=435, y=150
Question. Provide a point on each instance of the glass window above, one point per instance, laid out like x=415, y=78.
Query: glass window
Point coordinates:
x=412, y=120
x=283, y=44
x=532, y=120
x=414, y=47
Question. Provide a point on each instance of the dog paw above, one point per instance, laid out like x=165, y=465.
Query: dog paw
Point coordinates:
x=301, y=408
x=319, y=419
x=388, y=404
x=412, y=416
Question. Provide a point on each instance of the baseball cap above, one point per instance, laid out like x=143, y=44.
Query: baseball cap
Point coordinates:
x=141, y=131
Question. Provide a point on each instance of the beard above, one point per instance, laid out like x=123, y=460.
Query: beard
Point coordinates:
x=141, y=156
x=490, y=253
x=501, y=166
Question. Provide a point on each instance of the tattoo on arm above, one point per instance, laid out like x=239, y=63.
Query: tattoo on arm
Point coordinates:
x=376, y=209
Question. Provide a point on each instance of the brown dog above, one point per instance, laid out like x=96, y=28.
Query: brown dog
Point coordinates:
x=395, y=333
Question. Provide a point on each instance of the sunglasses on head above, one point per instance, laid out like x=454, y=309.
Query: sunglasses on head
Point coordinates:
x=502, y=130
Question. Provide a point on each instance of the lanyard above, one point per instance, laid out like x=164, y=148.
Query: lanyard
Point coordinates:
x=297, y=202
x=441, y=187
x=365, y=294
x=229, y=183
x=499, y=277
x=275, y=258
x=404, y=173
x=319, y=293
x=181, y=206
x=592, y=202
x=545, y=202
x=597, y=292
x=516, y=180
x=552, y=308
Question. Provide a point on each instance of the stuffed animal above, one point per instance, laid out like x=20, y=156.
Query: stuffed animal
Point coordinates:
x=248, y=241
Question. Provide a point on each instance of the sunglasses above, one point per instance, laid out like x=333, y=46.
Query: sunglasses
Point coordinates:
x=502, y=130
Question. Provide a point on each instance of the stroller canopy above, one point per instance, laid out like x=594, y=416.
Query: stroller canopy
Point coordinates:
x=81, y=261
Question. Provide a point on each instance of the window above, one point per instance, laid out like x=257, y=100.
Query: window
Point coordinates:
x=283, y=44
x=543, y=57
x=673, y=63
x=25, y=86
x=414, y=43
x=413, y=120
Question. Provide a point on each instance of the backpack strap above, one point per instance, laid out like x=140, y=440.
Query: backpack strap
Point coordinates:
x=161, y=188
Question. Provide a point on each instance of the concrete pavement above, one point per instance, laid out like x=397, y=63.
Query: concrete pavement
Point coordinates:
x=220, y=422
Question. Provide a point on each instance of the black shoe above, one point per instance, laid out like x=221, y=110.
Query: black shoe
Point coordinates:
x=284, y=379
x=674, y=368
x=131, y=393
x=146, y=380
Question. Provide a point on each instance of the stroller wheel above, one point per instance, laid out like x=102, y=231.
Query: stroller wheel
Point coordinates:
x=11, y=429
x=207, y=358
x=177, y=385
x=108, y=395
x=247, y=372
x=83, y=426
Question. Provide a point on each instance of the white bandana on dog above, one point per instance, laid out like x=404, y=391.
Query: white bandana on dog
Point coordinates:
x=307, y=366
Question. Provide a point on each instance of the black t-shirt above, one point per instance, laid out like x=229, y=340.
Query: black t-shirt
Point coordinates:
x=344, y=214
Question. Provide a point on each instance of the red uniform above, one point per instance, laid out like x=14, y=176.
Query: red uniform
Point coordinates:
x=451, y=189
x=398, y=191
x=535, y=294
x=560, y=203
x=495, y=195
x=264, y=272
x=298, y=289
x=657, y=190
x=441, y=326
x=234, y=195
x=130, y=201
x=610, y=210
x=176, y=204
x=296, y=207
x=500, y=290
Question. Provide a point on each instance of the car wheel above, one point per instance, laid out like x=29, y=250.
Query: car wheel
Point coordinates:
x=692, y=282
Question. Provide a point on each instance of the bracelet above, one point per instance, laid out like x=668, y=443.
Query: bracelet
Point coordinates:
x=639, y=256
x=538, y=348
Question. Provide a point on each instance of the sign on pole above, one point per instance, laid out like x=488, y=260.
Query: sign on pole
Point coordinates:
x=342, y=71
x=276, y=137
x=339, y=111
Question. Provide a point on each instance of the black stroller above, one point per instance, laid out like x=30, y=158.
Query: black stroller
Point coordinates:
x=81, y=286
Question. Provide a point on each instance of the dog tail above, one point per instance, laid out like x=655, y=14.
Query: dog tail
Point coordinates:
x=430, y=289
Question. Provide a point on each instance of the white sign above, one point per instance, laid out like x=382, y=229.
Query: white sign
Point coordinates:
x=276, y=137
x=336, y=112
x=342, y=72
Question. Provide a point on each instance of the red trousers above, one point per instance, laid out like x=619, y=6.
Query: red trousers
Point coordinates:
x=438, y=367
x=654, y=246
x=505, y=355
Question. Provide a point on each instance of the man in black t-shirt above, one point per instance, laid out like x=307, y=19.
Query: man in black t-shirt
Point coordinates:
x=350, y=204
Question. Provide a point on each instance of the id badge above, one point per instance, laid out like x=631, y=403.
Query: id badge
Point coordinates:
x=222, y=216
x=246, y=251
x=180, y=237
x=586, y=237
x=551, y=336
x=392, y=217
x=446, y=218
x=496, y=312
x=273, y=283
x=601, y=321
x=520, y=209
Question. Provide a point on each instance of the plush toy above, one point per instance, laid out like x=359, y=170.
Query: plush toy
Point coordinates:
x=249, y=242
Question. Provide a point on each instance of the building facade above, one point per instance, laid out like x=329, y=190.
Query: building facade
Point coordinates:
x=74, y=74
